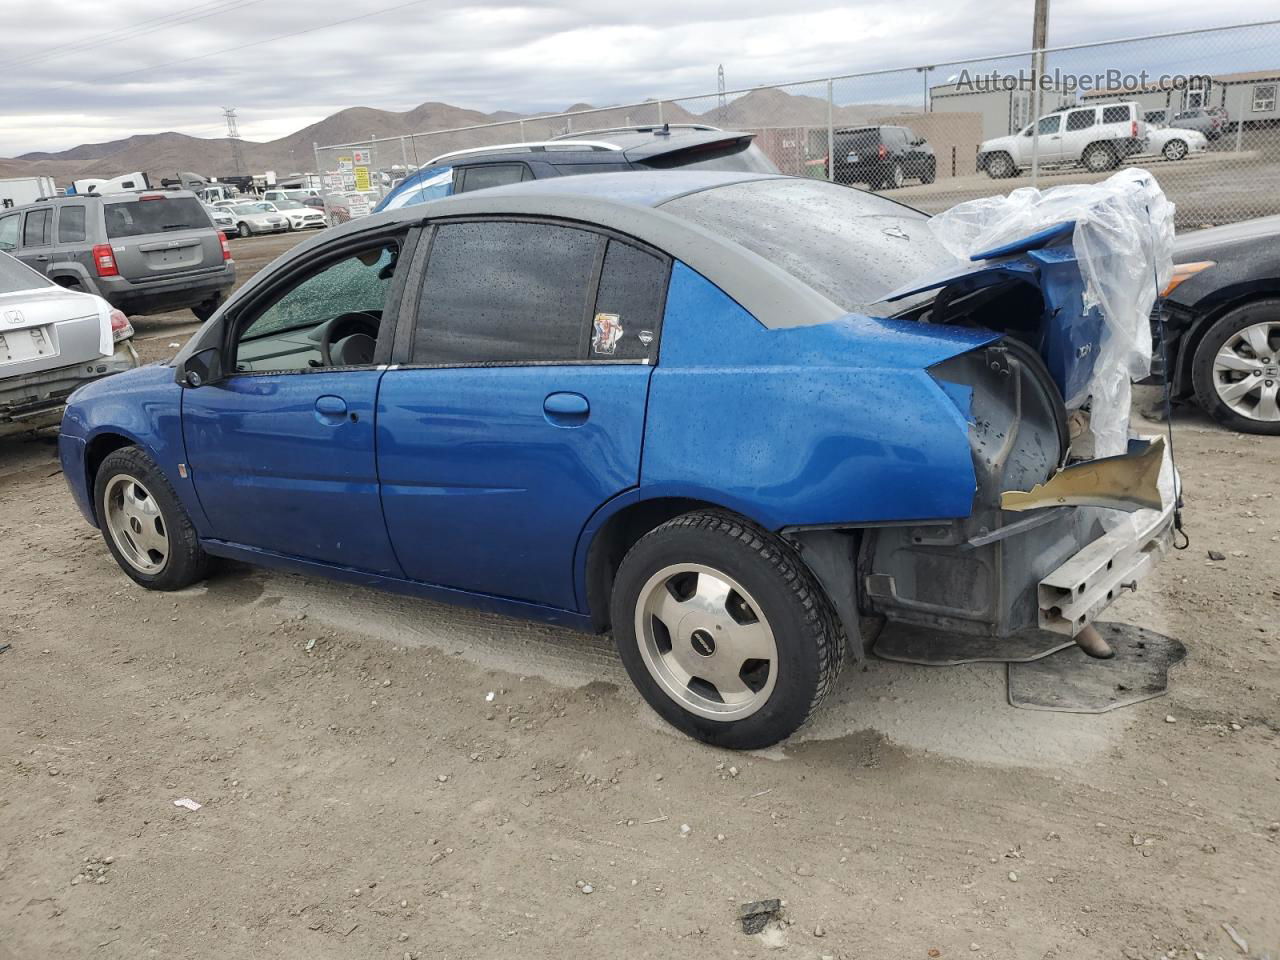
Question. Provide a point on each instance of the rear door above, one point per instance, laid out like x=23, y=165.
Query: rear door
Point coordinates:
x=1079, y=130
x=155, y=236
x=37, y=236
x=519, y=407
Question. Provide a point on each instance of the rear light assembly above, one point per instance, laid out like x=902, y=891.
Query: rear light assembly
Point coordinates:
x=226, y=247
x=1133, y=129
x=104, y=261
x=121, y=328
x=884, y=151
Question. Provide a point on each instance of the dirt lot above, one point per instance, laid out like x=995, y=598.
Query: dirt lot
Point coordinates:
x=382, y=777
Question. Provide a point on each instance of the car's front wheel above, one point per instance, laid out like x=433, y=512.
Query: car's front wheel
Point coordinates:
x=1000, y=166
x=724, y=630
x=1236, y=368
x=244, y=230
x=145, y=527
x=1175, y=150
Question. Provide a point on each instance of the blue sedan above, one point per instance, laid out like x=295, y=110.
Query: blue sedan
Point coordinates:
x=676, y=406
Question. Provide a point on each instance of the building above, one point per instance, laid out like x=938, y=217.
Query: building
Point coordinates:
x=1004, y=103
x=1251, y=97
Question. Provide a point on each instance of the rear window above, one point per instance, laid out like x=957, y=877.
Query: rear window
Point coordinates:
x=71, y=224
x=135, y=218
x=1115, y=114
x=15, y=276
x=846, y=244
x=741, y=156
x=35, y=231
x=858, y=138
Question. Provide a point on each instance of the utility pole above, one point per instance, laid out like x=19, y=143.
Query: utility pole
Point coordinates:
x=233, y=134
x=720, y=101
x=1039, y=40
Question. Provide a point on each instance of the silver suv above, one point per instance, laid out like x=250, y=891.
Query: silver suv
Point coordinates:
x=143, y=253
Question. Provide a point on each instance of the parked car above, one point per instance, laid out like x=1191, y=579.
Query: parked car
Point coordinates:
x=52, y=340
x=807, y=457
x=1209, y=121
x=299, y=194
x=299, y=215
x=882, y=156
x=1174, y=143
x=141, y=252
x=222, y=219
x=258, y=216
x=1096, y=137
x=1222, y=321
x=667, y=146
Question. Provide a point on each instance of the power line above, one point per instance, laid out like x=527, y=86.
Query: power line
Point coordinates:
x=137, y=30
x=258, y=43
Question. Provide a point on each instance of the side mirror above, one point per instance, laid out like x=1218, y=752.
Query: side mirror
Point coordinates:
x=201, y=368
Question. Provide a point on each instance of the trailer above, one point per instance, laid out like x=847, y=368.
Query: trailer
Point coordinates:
x=19, y=191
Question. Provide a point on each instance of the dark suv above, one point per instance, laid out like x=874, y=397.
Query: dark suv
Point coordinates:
x=141, y=252
x=882, y=156
x=659, y=147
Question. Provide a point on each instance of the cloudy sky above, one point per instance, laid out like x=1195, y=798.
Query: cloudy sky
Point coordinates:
x=81, y=71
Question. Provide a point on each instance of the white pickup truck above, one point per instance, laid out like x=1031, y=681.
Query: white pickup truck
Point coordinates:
x=1095, y=137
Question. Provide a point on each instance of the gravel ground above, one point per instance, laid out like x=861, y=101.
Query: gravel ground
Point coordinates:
x=381, y=777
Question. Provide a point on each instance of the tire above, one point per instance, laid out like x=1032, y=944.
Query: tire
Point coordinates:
x=204, y=311
x=1098, y=157
x=1175, y=150
x=244, y=230
x=753, y=595
x=930, y=174
x=1000, y=166
x=152, y=538
x=1242, y=347
x=896, y=177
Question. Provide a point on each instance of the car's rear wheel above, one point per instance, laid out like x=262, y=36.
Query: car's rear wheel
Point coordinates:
x=143, y=523
x=1175, y=150
x=724, y=630
x=203, y=311
x=1236, y=369
x=1099, y=157
x=243, y=230
x=999, y=166
x=930, y=172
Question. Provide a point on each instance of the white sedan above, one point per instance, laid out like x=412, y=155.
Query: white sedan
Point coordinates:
x=1174, y=143
x=52, y=340
x=300, y=216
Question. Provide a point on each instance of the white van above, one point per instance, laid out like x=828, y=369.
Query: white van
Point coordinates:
x=1095, y=137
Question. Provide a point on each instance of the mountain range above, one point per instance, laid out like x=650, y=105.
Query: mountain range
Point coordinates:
x=165, y=154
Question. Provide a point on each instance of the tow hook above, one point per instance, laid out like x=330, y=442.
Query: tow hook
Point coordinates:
x=1091, y=642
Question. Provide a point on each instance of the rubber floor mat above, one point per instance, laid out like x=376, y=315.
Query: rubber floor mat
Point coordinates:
x=934, y=648
x=1070, y=681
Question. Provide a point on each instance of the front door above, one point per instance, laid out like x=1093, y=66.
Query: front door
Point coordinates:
x=281, y=451
x=521, y=408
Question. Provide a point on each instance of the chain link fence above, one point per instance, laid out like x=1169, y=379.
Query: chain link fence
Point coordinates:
x=1199, y=109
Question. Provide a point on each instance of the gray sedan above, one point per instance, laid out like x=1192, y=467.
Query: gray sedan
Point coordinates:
x=258, y=217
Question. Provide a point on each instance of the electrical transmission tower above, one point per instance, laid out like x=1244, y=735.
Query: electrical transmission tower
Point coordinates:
x=720, y=87
x=233, y=134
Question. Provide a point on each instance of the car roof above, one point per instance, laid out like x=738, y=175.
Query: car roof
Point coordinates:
x=606, y=147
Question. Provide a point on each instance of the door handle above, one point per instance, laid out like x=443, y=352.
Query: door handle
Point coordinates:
x=566, y=409
x=331, y=407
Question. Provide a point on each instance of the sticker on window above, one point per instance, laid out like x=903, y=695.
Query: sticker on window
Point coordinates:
x=605, y=334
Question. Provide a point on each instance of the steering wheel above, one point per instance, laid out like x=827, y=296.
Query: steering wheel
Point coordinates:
x=362, y=327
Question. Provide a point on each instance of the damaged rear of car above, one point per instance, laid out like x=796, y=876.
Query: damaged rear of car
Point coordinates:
x=1067, y=510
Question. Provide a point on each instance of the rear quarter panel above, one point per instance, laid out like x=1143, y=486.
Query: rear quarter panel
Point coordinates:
x=831, y=424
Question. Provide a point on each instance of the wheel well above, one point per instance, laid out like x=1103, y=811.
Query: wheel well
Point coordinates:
x=66, y=280
x=1191, y=342
x=618, y=535
x=99, y=448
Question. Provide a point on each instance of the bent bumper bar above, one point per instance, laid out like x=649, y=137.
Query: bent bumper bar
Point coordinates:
x=1078, y=590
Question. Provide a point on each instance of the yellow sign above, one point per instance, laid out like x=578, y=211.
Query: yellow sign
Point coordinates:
x=362, y=178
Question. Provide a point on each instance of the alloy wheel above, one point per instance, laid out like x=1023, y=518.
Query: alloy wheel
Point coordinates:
x=136, y=525
x=1246, y=371
x=706, y=641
